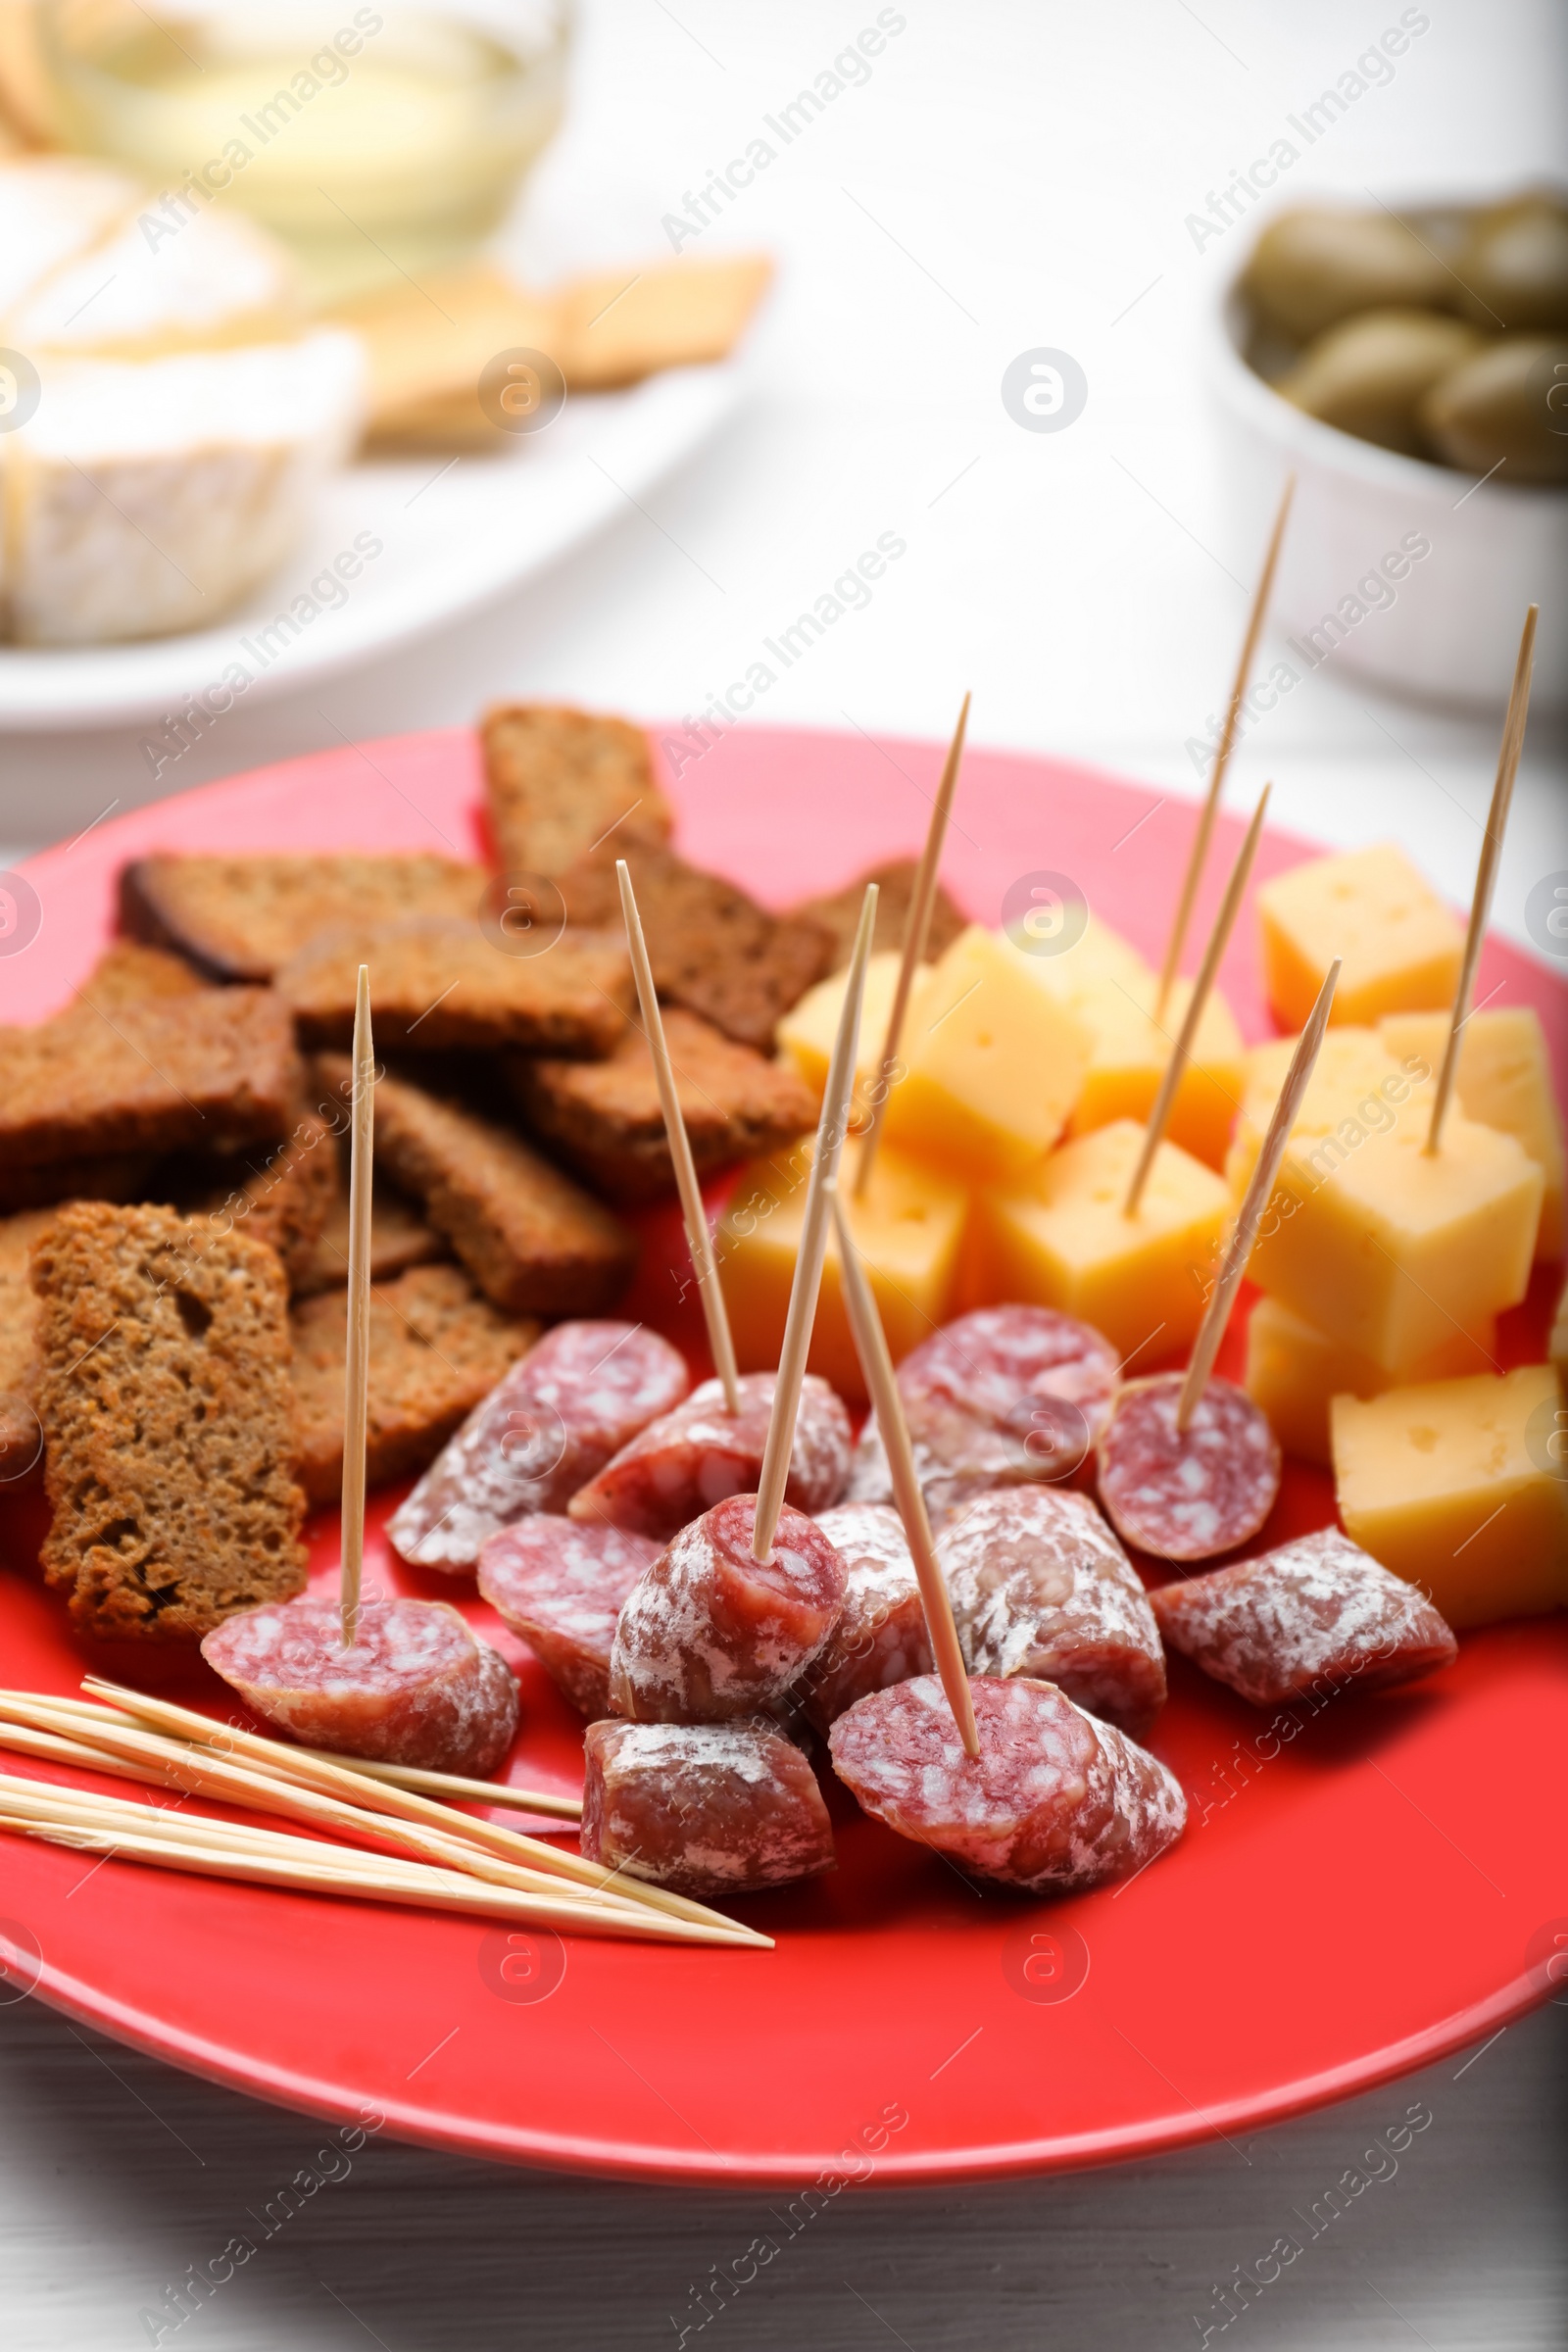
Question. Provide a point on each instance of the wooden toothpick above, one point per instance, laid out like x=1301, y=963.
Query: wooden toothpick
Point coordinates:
x=1513, y=736
x=357, y=1359
x=917, y=937
x=1222, y=757
x=698, y=1241
x=881, y=1385
x=830, y=1133
x=1251, y=1213
x=1181, y=1051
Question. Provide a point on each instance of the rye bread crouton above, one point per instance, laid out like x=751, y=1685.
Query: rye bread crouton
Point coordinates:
x=128, y=973
x=560, y=781
x=441, y=983
x=714, y=952
x=840, y=913
x=168, y=1413
x=238, y=919
x=121, y=1176
x=281, y=1193
x=536, y=1243
x=400, y=1238
x=21, y=1433
x=437, y=1349
x=604, y=1118
x=216, y=1068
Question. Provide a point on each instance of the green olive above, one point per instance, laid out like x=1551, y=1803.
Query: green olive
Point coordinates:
x=1513, y=266
x=1506, y=408
x=1312, y=267
x=1368, y=375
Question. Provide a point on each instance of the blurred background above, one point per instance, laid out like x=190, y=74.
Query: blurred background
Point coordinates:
x=991, y=183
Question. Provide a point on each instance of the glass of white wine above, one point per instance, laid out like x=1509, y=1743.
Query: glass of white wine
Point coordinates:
x=374, y=138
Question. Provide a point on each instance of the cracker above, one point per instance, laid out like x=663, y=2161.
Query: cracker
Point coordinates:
x=216, y=1068
x=840, y=913
x=604, y=1120
x=437, y=1349
x=167, y=1414
x=628, y=323
x=560, y=781
x=438, y=984
x=238, y=919
x=534, y=1242
x=714, y=952
x=426, y=347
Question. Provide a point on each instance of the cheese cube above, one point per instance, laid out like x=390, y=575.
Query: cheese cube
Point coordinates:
x=1355, y=1078
x=1503, y=1080
x=1455, y=1485
x=1294, y=1371
x=908, y=1230
x=1097, y=953
x=994, y=1065
x=806, y=1032
x=1060, y=1239
x=1400, y=943
x=1129, y=1056
x=1392, y=1250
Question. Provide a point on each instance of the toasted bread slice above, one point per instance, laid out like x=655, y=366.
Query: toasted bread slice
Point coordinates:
x=119, y=1176
x=534, y=1242
x=128, y=973
x=216, y=1068
x=281, y=1193
x=239, y=918
x=436, y=1348
x=437, y=983
x=168, y=1415
x=714, y=952
x=21, y=1433
x=399, y=1239
x=605, y=1118
x=895, y=883
x=560, y=781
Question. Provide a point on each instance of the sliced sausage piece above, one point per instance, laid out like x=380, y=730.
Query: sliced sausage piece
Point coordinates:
x=416, y=1688
x=550, y=1425
x=561, y=1586
x=1041, y=1588
x=704, y=1808
x=1318, y=1616
x=1055, y=1802
x=710, y=1632
x=690, y=1458
x=880, y=1638
x=1187, y=1494
x=1000, y=1397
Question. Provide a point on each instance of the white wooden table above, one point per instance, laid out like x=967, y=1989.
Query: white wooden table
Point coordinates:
x=1011, y=176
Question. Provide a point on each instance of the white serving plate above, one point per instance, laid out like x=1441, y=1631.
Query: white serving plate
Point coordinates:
x=453, y=536
x=1451, y=630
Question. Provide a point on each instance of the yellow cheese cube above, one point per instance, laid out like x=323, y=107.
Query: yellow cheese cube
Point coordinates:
x=908, y=1230
x=1503, y=1080
x=993, y=1064
x=1392, y=1250
x=1400, y=943
x=1097, y=953
x=1455, y=1486
x=806, y=1032
x=1294, y=1371
x=1128, y=1059
x=1061, y=1240
x=1357, y=1078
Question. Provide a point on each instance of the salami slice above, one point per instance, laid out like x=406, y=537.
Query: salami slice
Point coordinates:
x=689, y=1460
x=550, y=1425
x=561, y=1586
x=1002, y=1396
x=880, y=1638
x=710, y=1632
x=1055, y=1802
x=1187, y=1494
x=417, y=1688
x=1041, y=1588
x=1316, y=1616
x=702, y=1808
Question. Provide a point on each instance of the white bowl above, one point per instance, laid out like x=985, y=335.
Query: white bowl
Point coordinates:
x=1409, y=573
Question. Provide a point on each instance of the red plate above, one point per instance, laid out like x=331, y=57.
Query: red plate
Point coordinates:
x=1357, y=1902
